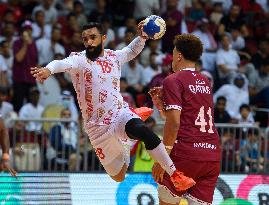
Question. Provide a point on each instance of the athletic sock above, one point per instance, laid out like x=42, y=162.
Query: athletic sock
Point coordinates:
x=160, y=155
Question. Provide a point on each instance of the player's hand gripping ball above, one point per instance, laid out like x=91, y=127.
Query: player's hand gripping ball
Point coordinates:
x=154, y=27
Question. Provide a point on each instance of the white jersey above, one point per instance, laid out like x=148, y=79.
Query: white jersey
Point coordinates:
x=97, y=83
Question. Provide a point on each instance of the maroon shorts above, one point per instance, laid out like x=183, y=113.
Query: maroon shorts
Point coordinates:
x=205, y=175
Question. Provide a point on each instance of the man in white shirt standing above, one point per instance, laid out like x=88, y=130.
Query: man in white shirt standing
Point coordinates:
x=32, y=110
x=227, y=60
x=47, y=48
x=95, y=74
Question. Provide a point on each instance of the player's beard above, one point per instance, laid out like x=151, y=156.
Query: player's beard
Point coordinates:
x=95, y=53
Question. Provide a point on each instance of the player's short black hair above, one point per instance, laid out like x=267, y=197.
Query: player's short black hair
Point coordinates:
x=190, y=46
x=221, y=98
x=94, y=25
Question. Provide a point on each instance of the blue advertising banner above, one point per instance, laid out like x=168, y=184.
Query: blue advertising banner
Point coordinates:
x=136, y=189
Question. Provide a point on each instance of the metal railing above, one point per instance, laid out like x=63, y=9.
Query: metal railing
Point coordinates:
x=53, y=147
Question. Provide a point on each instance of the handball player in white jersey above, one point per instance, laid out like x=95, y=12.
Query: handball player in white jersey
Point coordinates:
x=95, y=74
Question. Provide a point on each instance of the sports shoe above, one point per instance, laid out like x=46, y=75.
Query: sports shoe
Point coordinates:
x=181, y=182
x=143, y=112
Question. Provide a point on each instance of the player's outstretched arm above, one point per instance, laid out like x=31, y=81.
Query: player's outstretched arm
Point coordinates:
x=56, y=66
x=135, y=47
x=40, y=74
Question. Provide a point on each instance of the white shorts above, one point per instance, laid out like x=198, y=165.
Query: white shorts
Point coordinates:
x=110, y=142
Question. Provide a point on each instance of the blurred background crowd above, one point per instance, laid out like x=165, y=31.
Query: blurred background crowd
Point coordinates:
x=235, y=35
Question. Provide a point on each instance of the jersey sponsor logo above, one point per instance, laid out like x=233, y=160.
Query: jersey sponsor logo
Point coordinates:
x=105, y=65
x=204, y=145
x=200, y=87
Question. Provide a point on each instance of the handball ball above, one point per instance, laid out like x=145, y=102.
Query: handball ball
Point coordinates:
x=154, y=27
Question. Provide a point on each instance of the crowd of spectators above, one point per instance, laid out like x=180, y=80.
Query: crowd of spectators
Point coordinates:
x=235, y=58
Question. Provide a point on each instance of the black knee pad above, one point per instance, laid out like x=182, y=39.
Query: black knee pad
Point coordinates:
x=136, y=129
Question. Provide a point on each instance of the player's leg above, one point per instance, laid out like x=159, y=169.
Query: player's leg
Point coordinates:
x=136, y=129
x=110, y=151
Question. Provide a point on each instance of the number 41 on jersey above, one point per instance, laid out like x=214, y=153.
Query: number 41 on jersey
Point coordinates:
x=200, y=120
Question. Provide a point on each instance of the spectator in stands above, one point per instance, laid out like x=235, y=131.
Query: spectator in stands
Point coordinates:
x=250, y=154
x=130, y=24
x=217, y=13
x=6, y=60
x=259, y=85
x=152, y=47
x=64, y=7
x=3, y=73
x=231, y=20
x=128, y=37
x=157, y=80
x=262, y=54
x=236, y=39
x=230, y=151
x=246, y=116
x=25, y=56
x=6, y=108
x=99, y=12
x=209, y=44
x=145, y=8
x=50, y=11
x=127, y=97
x=47, y=48
x=50, y=90
x=32, y=110
x=197, y=11
x=8, y=33
x=152, y=70
x=40, y=28
x=227, y=60
x=68, y=101
x=236, y=95
x=79, y=11
x=133, y=72
x=75, y=44
x=63, y=138
x=207, y=74
x=175, y=24
x=110, y=34
x=69, y=28
x=220, y=113
x=226, y=4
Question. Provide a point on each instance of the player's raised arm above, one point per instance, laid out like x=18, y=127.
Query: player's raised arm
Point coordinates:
x=135, y=47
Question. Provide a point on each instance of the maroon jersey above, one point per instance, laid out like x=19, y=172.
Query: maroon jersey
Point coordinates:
x=190, y=92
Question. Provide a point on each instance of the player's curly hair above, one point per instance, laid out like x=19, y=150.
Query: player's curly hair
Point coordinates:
x=189, y=45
